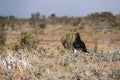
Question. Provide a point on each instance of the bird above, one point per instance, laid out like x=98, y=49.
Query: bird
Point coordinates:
x=78, y=44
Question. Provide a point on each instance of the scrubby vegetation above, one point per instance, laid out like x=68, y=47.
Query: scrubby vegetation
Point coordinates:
x=67, y=40
x=24, y=56
x=59, y=64
x=102, y=20
x=28, y=40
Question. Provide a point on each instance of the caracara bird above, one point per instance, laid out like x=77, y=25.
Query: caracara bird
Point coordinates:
x=78, y=44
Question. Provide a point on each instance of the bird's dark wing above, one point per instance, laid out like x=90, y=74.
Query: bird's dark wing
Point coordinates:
x=83, y=47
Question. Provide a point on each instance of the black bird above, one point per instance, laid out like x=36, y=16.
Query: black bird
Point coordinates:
x=78, y=44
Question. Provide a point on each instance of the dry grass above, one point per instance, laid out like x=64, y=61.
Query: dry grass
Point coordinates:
x=59, y=64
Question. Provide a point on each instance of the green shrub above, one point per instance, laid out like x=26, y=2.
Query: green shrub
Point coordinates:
x=2, y=35
x=2, y=38
x=16, y=46
x=42, y=23
x=67, y=41
x=28, y=40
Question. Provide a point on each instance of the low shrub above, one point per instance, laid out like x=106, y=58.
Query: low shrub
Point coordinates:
x=67, y=40
x=28, y=40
